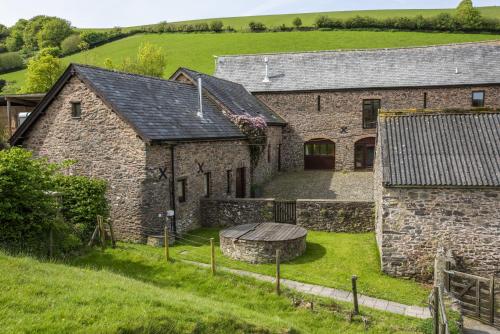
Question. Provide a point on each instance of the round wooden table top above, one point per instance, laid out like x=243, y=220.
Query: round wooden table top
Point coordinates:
x=264, y=232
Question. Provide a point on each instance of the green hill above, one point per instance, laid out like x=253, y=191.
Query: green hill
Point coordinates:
x=241, y=22
x=196, y=51
x=131, y=289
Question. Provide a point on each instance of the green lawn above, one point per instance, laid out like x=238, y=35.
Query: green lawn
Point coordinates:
x=196, y=51
x=309, y=18
x=132, y=289
x=330, y=260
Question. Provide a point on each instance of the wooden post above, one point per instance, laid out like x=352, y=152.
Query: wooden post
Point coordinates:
x=51, y=243
x=165, y=242
x=354, y=278
x=492, y=299
x=278, y=273
x=212, y=255
x=436, y=310
x=102, y=235
x=448, y=276
x=112, y=234
x=478, y=299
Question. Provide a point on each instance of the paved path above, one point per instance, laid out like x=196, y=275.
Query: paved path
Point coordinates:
x=472, y=326
x=342, y=186
x=340, y=295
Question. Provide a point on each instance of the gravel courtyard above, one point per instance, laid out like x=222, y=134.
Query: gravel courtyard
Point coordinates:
x=344, y=186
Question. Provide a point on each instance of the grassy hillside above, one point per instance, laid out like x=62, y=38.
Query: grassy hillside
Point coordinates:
x=132, y=289
x=197, y=50
x=239, y=23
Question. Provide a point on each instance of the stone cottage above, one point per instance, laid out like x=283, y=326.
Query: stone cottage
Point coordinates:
x=437, y=183
x=330, y=99
x=161, y=144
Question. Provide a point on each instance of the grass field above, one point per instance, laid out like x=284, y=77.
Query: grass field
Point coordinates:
x=330, y=260
x=308, y=19
x=132, y=289
x=196, y=51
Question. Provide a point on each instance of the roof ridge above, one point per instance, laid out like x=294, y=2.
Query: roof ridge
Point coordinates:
x=436, y=112
x=485, y=42
x=127, y=73
x=213, y=76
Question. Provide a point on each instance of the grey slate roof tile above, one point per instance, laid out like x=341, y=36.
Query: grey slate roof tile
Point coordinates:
x=235, y=97
x=441, y=149
x=477, y=63
x=159, y=109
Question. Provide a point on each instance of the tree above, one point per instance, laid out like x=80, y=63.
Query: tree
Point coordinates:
x=468, y=16
x=324, y=22
x=216, y=26
x=43, y=71
x=150, y=60
x=54, y=30
x=14, y=42
x=33, y=26
x=257, y=26
x=71, y=44
x=297, y=22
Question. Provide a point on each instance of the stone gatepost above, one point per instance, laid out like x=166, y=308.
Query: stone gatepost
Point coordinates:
x=442, y=256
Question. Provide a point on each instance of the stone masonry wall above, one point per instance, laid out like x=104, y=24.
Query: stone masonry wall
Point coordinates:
x=193, y=160
x=267, y=168
x=344, y=109
x=103, y=145
x=335, y=216
x=236, y=211
x=413, y=222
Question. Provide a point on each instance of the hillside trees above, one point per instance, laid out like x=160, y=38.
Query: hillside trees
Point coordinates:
x=150, y=60
x=297, y=22
x=43, y=71
x=468, y=16
x=216, y=26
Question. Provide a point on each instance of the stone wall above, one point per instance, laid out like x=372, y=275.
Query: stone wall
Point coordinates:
x=412, y=222
x=103, y=145
x=268, y=164
x=237, y=211
x=343, y=109
x=335, y=216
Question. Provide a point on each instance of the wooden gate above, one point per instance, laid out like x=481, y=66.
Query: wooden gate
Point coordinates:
x=478, y=296
x=285, y=212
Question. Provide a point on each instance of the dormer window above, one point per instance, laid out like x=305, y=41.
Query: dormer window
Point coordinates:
x=76, y=110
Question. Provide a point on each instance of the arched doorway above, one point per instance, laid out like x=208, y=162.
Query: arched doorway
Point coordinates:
x=319, y=154
x=364, y=153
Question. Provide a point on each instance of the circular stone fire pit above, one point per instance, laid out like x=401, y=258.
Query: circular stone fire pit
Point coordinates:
x=257, y=243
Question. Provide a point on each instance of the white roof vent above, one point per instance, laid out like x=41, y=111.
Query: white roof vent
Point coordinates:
x=456, y=70
x=266, y=77
x=200, y=98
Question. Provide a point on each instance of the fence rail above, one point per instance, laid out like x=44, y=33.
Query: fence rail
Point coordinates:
x=479, y=297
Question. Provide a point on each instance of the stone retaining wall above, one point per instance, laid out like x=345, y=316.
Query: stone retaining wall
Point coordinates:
x=235, y=211
x=312, y=214
x=335, y=216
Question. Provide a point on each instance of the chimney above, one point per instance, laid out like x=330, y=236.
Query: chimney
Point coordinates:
x=266, y=77
x=200, y=98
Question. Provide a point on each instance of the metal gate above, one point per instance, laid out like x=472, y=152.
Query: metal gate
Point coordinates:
x=479, y=296
x=285, y=212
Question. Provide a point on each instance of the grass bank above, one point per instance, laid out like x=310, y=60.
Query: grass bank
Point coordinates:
x=196, y=51
x=132, y=289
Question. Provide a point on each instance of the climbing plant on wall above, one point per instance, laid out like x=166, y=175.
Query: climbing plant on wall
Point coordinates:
x=255, y=128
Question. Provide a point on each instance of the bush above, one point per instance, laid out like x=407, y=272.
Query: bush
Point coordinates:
x=71, y=44
x=10, y=61
x=216, y=26
x=327, y=22
x=257, y=26
x=297, y=22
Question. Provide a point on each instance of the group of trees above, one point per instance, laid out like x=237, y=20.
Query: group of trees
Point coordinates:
x=165, y=27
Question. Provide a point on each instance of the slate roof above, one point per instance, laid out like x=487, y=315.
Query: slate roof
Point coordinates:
x=159, y=110
x=459, y=149
x=477, y=63
x=235, y=97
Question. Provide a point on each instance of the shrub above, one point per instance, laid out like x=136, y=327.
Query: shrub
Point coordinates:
x=327, y=22
x=297, y=22
x=71, y=44
x=216, y=26
x=257, y=26
x=10, y=61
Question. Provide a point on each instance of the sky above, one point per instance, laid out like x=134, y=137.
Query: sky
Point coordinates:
x=111, y=13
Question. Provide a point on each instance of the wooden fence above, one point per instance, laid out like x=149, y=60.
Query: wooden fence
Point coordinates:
x=438, y=310
x=479, y=296
x=285, y=212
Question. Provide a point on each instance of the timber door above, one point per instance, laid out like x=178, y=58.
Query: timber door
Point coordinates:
x=364, y=153
x=319, y=154
x=240, y=182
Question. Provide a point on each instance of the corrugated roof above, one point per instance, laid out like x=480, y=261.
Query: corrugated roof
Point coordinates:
x=441, y=149
x=235, y=97
x=477, y=63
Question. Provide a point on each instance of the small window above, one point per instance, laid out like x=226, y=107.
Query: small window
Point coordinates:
x=425, y=100
x=478, y=99
x=76, y=110
x=229, y=178
x=269, y=153
x=370, y=113
x=181, y=190
x=319, y=103
x=21, y=117
x=207, y=184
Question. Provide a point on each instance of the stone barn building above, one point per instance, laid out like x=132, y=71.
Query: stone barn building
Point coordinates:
x=161, y=145
x=330, y=99
x=437, y=183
